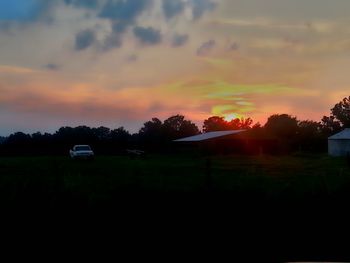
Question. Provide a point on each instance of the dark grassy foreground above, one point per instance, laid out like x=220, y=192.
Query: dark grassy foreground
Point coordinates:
x=264, y=178
x=264, y=202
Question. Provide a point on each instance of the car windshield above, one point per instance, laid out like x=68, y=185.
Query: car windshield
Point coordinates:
x=82, y=148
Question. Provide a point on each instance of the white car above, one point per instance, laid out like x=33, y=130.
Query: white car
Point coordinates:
x=81, y=152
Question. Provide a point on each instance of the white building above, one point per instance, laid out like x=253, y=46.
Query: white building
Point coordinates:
x=339, y=144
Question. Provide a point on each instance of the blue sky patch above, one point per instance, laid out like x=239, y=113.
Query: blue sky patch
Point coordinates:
x=20, y=10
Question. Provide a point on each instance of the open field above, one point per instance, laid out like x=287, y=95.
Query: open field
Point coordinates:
x=256, y=200
x=269, y=178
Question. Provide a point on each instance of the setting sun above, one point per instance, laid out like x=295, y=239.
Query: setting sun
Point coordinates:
x=232, y=116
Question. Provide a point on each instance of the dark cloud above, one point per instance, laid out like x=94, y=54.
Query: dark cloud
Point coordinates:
x=173, y=8
x=52, y=66
x=119, y=27
x=114, y=40
x=84, y=39
x=148, y=35
x=199, y=7
x=179, y=40
x=124, y=10
x=122, y=14
x=91, y=4
x=206, y=47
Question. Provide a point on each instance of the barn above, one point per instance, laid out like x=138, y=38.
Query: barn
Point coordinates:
x=227, y=142
x=209, y=136
x=339, y=144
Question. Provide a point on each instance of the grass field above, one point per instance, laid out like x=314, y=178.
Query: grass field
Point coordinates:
x=260, y=200
x=269, y=178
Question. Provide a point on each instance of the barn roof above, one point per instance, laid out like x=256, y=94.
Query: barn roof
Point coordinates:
x=208, y=136
x=343, y=135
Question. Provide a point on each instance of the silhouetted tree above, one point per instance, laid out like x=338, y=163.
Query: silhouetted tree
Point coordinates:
x=240, y=124
x=151, y=131
x=309, y=129
x=18, y=143
x=257, y=131
x=119, y=140
x=310, y=136
x=330, y=126
x=215, y=123
x=42, y=143
x=120, y=134
x=102, y=133
x=77, y=135
x=2, y=139
x=341, y=111
x=282, y=126
x=178, y=127
x=257, y=125
x=19, y=138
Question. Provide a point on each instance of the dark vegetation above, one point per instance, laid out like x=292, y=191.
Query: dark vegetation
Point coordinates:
x=157, y=136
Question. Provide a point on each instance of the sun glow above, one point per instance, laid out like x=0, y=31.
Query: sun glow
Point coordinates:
x=232, y=116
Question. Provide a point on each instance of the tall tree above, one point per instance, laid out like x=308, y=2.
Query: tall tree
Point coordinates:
x=341, y=111
x=151, y=130
x=120, y=134
x=283, y=126
x=102, y=133
x=240, y=124
x=178, y=127
x=330, y=125
x=215, y=123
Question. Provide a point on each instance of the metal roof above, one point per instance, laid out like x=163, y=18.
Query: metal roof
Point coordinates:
x=208, y=136
x=343, y=135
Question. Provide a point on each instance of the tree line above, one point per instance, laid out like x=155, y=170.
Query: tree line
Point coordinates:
x=158, y=135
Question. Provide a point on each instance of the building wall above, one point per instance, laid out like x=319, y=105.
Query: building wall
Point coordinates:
x=338, y=147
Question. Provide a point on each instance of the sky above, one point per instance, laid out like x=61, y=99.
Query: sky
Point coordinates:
x=122, y=62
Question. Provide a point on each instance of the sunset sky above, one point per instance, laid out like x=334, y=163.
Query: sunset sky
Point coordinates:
x=121, y=62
